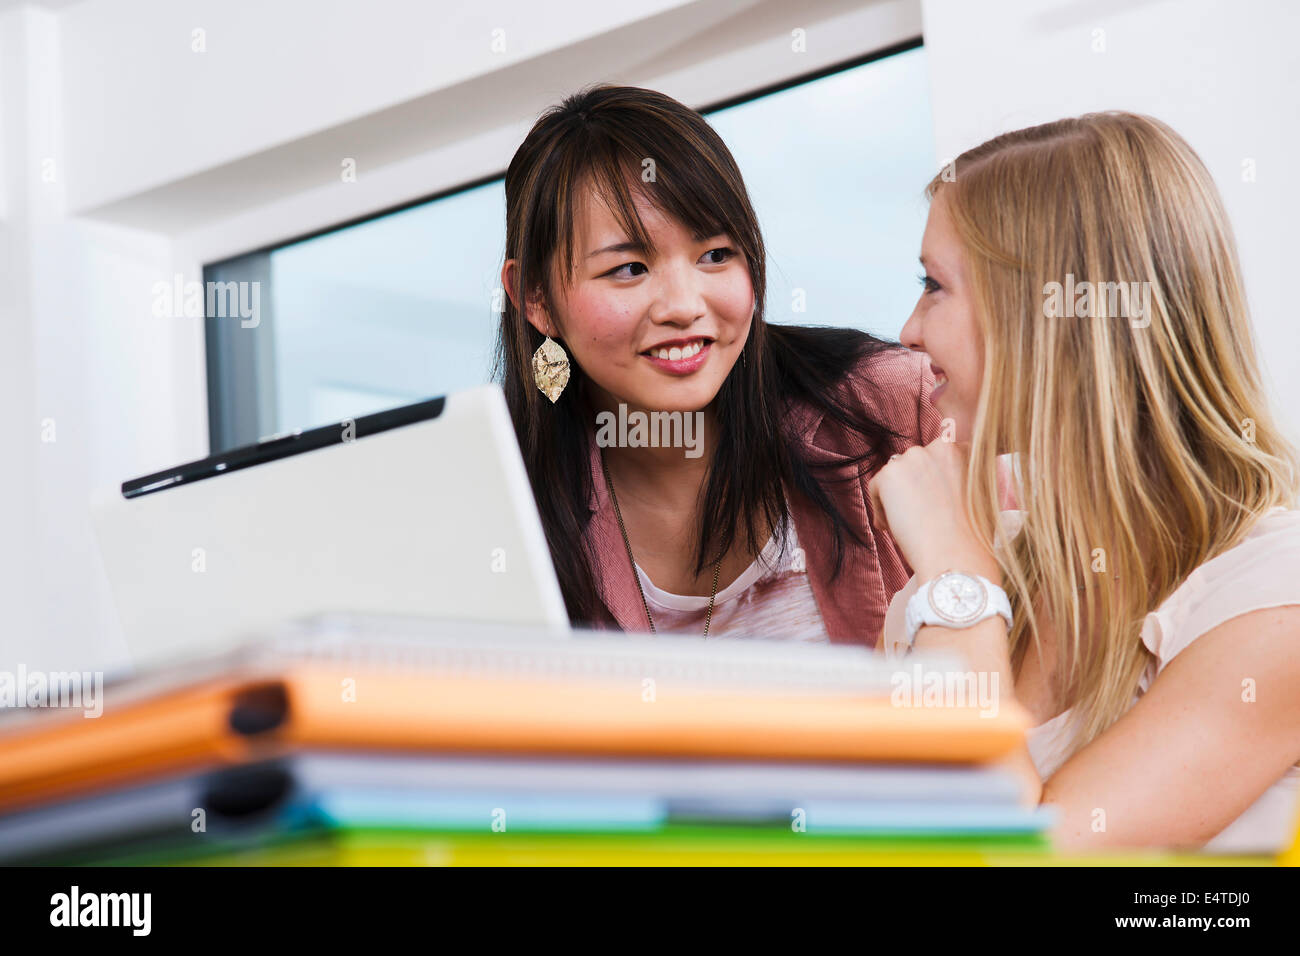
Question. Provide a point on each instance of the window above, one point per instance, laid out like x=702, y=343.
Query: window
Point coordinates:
x=399, y=307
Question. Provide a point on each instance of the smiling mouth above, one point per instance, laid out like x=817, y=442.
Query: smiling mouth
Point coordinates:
x=940, y=377
x=686, y=348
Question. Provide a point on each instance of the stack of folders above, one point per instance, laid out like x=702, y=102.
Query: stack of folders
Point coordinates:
x=365, y=740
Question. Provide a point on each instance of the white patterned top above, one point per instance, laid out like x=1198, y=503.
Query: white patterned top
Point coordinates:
x=771, y=600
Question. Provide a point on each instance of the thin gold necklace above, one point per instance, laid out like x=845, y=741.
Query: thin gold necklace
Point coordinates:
x=627, y=544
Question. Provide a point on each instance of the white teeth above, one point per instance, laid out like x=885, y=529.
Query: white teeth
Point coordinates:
x=677, y=353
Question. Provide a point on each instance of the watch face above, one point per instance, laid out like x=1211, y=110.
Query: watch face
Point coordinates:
x=958, y=597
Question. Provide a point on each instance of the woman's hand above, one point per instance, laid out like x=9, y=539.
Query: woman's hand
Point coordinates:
x=919, y=499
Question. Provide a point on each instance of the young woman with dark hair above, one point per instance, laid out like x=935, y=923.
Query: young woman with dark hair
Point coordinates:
x=635, y=275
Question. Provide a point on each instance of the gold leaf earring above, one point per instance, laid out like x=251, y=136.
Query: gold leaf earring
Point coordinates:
x=551, y=368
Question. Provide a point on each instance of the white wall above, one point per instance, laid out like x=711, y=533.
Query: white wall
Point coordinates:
x=19, y=421
x=1220, y=72
x=89, y=382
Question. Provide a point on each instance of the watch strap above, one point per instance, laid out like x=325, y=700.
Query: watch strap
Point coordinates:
x=919, y=612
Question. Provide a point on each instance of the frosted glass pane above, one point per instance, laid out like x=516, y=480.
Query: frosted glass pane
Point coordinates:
x=399, y=306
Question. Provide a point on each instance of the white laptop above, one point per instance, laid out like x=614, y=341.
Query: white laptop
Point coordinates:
x=424, y=510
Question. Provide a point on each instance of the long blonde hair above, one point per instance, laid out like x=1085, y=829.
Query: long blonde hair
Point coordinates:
x=1145, y=446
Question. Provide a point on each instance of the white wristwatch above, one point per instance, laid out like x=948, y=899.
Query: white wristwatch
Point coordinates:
x=955, y=599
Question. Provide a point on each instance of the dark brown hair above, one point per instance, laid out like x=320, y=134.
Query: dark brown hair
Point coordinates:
x=598, y=139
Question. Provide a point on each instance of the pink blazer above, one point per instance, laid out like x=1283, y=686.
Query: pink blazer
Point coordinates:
x=853, y=606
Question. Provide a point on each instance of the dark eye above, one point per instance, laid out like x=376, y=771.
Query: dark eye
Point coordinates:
x=928, y=283
x=628, y=275
x=716, y=257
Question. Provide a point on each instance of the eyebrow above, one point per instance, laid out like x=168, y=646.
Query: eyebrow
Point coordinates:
x=631, y=246
x=618, y=247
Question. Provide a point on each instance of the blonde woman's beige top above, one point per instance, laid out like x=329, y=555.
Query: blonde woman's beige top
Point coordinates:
x=1263, y=571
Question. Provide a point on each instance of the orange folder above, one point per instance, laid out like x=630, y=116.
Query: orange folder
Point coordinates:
x=348, y=706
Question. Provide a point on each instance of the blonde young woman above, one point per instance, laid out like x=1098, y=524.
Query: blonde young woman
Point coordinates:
x=1153, y=582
